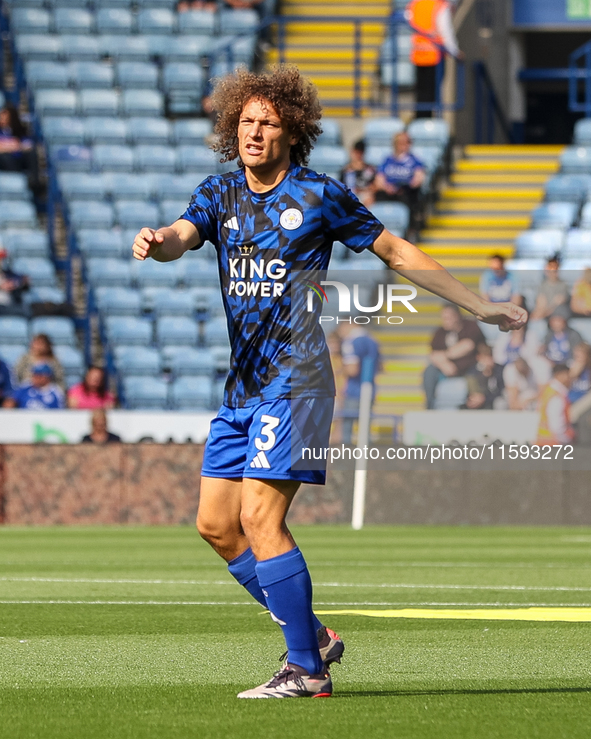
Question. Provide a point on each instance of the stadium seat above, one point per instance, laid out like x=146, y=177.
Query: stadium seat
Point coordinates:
x=115, y=3
x=37, y=47
x=183, y=84
x=197, y=273
x=451, y=392
x=59, y=329
x=118, y=301
x=172, y=210
x=13, y=186
x=381, y=131
x=129, y=330
x=177, y=187
x=45, y=294
x=82, y=186
x=429, y=132
x=143, y=103
x=191, y=393
x=101, y=130
x=26, y=243
x=92, y=75
x=102, y=242
x=176, y=330
x=582, y=132
x=47, y=75
x=17, y=214
x=216, y=332
x=576, y=160
x=134, y=214
x=205, y=253
x=578, y=244
x=151, y=158
x=63, y=130
x=11, y=353
x=81, y=48
x=72, y=158
x=145, y=392
x=376, y=155
x=568, y=188
x=187, y=48
x=99, y=102
x=539, y=243
x=114, y=21
x=108, y=272
x=88, y=214
x=215, y=305
x=197, y=159
x=402, y=72
x=394, y=216
x=56, y=102
x=40, y=271
x=156, y=20
x=238, y=21
x=169, y=4
x=192, y=362
x=111, y=158
x=586, y=216
x=197, y=23
x=221, y=356
x=583, y=326
x=339, y=251
x=126, y=48
x=429, y=156
x=14, y=330
x=137, y=360
x=331, y=133
x=554, y=215
x=128, y=186
x=328, y=159
x=173, y=303
x=137, y=75
x=29, y=20
x=192, y=132
x=72, y=20
x=202, y=297
x=154, y=274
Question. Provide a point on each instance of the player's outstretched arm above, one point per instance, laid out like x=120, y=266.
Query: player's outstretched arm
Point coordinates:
x=425, y=272
x=165, y=244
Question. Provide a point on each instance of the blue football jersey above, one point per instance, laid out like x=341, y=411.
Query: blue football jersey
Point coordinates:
x=261, y=239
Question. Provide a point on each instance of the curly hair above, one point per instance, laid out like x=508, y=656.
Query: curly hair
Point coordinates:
x=294, y=98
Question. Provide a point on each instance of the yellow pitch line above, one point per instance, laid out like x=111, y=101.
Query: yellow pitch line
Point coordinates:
x=574, y=615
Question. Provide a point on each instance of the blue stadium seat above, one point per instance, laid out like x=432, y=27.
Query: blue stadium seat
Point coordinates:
x=29, y=20
x=136, y=214
x=215, y=305
x=126, y=48
x=173, y=303
x=429, y=156
x=82, y=186
x=583, y=326
x=177, y=187
x=197, y=273
x=237, y=49
x=11, y=353
x=576, y=160
x=111, y=158
x=137, y=75
x=72, y=158
x=88, y=214
x=429, y=132
x=183, y=83
x=197, y=23
x=451, y=392
x=221, y=356
x=565, y=188
x=26, y=243
x=128, y=330
x=45, y=294
x=14, y=330
x=149, y=131
x=17, y=214
x=72, y=360
x=59, y=329
x=401, y=72
x=13, y=186
x=176, y=330
x=376, y=155
x=216, y=332
x=118, y=301
x=172, y=210
x=114, y=3
x=394, y=216
x=151, y=158
x=92, y=75
x=101, y=130
x=47, y=75
x=149, y=294
x=331, y=133
x=81, y=48
x=73, y=20
x=40, y=271
x=169, y=4
x=108, y=272
x=328, y=159
x=192, y=362
x=137, y=360
x=128, y=186
x=539, y=243
x=238, y=21
x=114, y=21
x=142, y=102
x=554, y=215
x=339, y=251
x=582, y=132
x=154, y=274
x=187, y=48
x=191, y=393
x=578, y=244
x=63, y=130
x=102, y=242
x=56, y=102
x=156, y=20
x=192, y=131
x=197, y=159
x=381, y=131
x=145, y=392
x=205, y=253
x=99, y=102
x=586, y=216
x=37, y=47
x=218, y=391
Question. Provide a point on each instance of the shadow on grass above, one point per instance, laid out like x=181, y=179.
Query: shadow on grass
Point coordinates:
x=483, y=691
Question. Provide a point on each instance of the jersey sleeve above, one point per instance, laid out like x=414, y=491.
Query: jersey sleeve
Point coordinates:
x=201, y=212
x=348, y=220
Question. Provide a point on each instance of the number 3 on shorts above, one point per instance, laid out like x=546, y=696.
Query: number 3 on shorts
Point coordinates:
x=270, y=422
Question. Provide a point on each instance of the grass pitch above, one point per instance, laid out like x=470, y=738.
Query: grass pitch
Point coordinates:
x=116, y=633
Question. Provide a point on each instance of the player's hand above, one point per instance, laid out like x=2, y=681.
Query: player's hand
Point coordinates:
x=146, y=243
x=507, y=316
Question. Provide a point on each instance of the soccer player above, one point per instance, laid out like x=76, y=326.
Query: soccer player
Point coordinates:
x=268, y=218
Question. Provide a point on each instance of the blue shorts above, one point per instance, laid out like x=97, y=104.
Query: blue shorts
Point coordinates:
x=265, y=441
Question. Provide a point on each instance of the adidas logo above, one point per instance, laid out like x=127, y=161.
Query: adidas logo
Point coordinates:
x=232, y=224
x=260, y=461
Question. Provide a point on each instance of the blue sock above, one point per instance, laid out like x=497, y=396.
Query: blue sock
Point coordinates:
x=242, y=568
x=286, y=583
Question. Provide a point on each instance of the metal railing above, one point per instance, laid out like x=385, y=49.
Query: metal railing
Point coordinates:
x=487, y=108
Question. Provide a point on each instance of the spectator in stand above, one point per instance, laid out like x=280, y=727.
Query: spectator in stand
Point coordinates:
x=5, y=382
x=580, y=372
x=561, y=339
x=358, y=175
x=485, y=382
x=498, y=285
x=12, y=287
x=555, y=425
x=521, y=387
x=552, y=292
x=17, y=153
x=99, y=433
x=185, y=5
x=40, y=351
x=244, y=5
x=580, y=302
x=41, y=393
x=453, y=350
x=92, y=392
